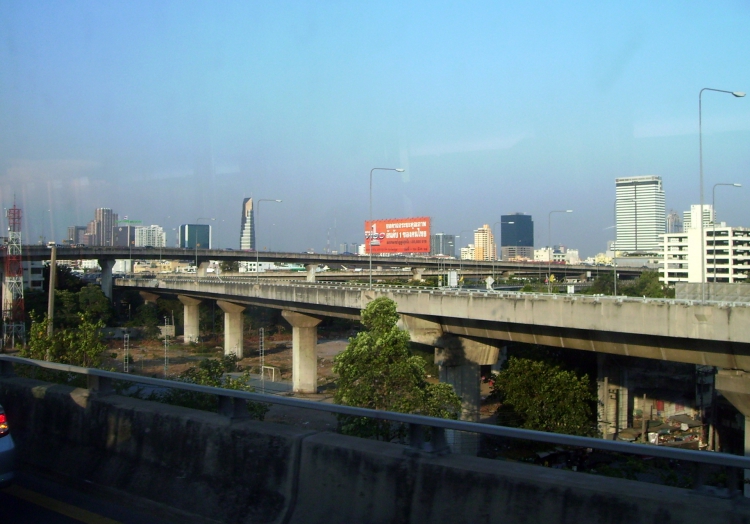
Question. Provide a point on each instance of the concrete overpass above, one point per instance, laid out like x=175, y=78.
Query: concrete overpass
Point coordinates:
x=107, y=255
x=468, y=328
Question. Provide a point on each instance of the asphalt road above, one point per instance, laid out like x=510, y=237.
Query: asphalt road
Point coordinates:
x=36, y=499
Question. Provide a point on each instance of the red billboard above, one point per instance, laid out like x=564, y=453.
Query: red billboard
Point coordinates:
x=398, y=235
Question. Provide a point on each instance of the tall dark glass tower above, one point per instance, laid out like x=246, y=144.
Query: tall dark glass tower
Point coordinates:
x=516, y=236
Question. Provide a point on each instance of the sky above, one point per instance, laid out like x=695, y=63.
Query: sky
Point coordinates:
x=170, y=111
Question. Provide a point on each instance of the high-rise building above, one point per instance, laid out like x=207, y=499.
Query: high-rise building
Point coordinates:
x=442, y=244
x=192, y=234
x=123, y=236
x=247, y=226
x=101, y=226
x=153, y=236
x=516, y=237
x=76, y=235
x=640, y=213
x=682, y=262
x=691, y=219
x=484, y=244
x=674, y=223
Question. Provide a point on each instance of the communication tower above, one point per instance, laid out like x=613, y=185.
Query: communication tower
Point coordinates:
x=14, y=327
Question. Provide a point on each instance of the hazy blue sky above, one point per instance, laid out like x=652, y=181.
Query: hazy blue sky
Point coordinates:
x=169, y=111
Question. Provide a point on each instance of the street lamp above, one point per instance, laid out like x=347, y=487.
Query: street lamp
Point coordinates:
x=398, y=169
x=257, y=218
x=196, y=241
x=737, y=94
x=494, y=236
x=549, y=246
x=713, y=207
x=460, y=258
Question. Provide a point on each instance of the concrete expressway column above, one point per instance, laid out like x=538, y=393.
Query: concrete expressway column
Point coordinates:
x=311, y=268
x=304, y=351
x=459, y=359
x=232, y=327
x=148, y=297
x=106, y=279
x=191, y=328
x=735, y=386
x=416, y=274
x=200, y=271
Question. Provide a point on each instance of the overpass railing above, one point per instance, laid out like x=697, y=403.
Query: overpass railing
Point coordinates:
x=232, y=404
x=352, y=286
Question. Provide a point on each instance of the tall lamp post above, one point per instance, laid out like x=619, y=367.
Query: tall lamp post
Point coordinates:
x=713, y=207
x=196, y=241
x=737, y=94
x=549, y=246
x=257, y=256
x=494, y=236
x=369, y=246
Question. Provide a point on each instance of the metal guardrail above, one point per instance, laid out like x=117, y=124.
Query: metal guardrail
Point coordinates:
x=232, y=404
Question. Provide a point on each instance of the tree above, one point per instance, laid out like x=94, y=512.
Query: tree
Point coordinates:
x=536, y=394
x=229, y=266
x=78, y=346
x=93, y=301
x=378, y=371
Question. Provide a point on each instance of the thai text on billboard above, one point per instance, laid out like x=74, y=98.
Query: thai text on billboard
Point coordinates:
x=398, y=235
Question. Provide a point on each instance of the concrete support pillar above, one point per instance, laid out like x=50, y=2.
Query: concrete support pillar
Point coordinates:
x=416, y=274
x=459, y=360
x=304, y=351
x=735, y=386
x=311, y=268
x=191, y=329
x=200, y=271
x=148, y=298
x=232, y=327
x=613, y=390
x=106, y=279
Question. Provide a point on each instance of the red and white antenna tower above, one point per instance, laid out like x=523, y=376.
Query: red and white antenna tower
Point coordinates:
x=14, y=327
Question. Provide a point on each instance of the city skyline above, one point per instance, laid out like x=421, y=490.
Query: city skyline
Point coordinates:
x=524, y=107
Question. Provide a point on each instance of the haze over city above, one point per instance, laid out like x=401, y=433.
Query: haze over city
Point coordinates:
x=166, y=112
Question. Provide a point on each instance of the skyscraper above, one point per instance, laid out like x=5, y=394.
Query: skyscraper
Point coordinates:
x=640, y=213
x=192, y=234
x=516, y=236
x=442, y=244
x=150, y=236
x=99, y=230
x=247, y=226
x=484, y=244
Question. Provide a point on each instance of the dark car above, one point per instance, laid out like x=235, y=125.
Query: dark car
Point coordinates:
x=7, y=452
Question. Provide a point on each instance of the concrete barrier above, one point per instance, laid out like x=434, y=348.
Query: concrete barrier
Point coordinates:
x=249, y=472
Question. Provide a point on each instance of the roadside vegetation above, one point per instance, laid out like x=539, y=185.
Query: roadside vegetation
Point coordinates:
x=378, y=371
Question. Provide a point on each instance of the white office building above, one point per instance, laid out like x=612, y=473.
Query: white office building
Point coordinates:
x=640, y=211
x=153, y=236
x=728, y=261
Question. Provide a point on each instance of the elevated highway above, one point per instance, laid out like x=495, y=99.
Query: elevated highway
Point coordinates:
x=712, y=334
x=468, y=328
x=202, y=256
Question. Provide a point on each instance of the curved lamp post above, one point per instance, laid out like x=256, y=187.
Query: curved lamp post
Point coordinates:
x=549, y=246
x=257, y=219
x=399, y=170
x=713, y=207
x=737, y=94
